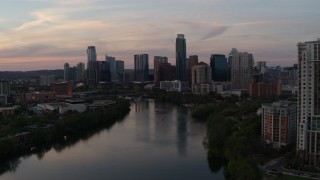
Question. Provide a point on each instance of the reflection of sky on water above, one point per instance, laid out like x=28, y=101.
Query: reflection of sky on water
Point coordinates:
x=145, y=145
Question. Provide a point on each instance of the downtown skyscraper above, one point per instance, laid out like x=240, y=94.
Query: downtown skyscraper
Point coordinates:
x=92, y=66
x=181, y=58
x=141, y=67
x=308, y=122
x=112, y=63
x=91, y=53
x=219, y=67
x=156, y=64
x=241, y=69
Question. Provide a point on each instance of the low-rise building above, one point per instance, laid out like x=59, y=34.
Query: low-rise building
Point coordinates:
x=63, y=88
x=63, y=107
x=262, y=89
x=5, y=111
x=207, y=88
x=173, y=85
x=35, y=97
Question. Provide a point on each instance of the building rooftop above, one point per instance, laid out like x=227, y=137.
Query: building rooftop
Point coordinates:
x=280, y=104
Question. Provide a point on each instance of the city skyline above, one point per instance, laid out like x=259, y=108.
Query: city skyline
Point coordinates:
x=44, y=34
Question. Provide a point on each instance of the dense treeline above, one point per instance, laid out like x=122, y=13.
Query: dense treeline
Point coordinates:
x=73, y=125
x=187, y=98
x=233, y=135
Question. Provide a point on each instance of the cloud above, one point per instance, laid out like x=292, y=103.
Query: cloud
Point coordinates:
x=204, y=31
x=62, y=29
x=41, y=20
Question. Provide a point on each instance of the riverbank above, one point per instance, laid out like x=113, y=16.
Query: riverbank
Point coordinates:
x=40, y=132
x=145, y=144
x=234, y=134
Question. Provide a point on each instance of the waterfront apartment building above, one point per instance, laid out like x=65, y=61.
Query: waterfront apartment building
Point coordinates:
x=156, y=63
x=141, y=67
x=181, y=58
x=279, y=123
x=308, y=138
x=241, y=70
x=91, y=53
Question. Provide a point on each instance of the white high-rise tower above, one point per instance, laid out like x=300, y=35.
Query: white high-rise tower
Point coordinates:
x=308, y=120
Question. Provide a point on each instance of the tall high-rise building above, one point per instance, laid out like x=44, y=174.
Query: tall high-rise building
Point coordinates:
x=241, y=70
x=80, y=72
x=181, y=58
x=104, y=74
x=66, y=71
x=192, y=61
x=92, y=54
x=4, y=91
x=201, y=74
x=308, y=126
x=141, y=67
x=4, y=87
x=165, y=72
x=262, y=67
x=92, y=76
x=75, y=73
x=219, y=67
x=120, y=69
x=112, y=63
x=156, y=63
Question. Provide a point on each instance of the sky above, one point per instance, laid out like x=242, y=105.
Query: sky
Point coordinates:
x=45, y=34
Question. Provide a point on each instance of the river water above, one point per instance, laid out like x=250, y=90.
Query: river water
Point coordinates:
x=154, y=141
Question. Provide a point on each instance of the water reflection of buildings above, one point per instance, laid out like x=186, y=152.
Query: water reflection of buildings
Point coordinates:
x=141, y=105
x=142, y=121
x=167, y=126
x=164, y=122
x=182, y=131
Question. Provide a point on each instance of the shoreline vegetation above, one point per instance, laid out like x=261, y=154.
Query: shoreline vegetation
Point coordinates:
x=233, y=136
x=233, y=132
x=38, y=134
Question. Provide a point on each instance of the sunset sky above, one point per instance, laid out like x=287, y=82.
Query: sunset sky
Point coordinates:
x=44, y=34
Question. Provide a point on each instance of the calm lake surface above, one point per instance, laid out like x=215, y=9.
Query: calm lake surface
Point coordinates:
x=154, y=141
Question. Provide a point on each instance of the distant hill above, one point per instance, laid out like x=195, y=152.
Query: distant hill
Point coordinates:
x=30, y=74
